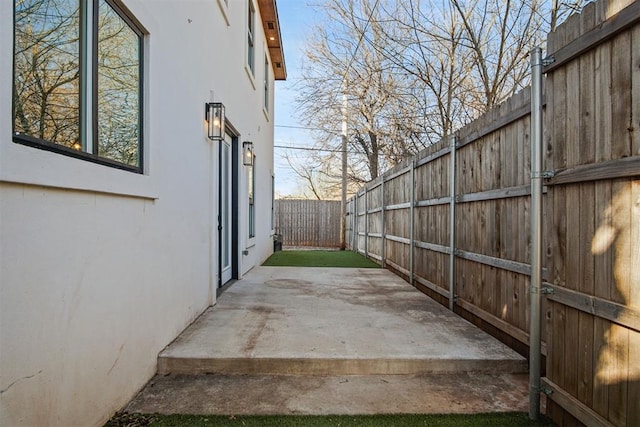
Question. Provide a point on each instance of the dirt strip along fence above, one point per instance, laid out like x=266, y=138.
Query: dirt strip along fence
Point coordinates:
x=308, y=222
x=591, y=219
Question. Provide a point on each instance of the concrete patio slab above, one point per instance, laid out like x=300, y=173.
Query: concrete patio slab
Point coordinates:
x=335, y=395
x=332, y=321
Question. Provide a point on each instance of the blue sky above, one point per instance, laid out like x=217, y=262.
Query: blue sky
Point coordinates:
x=296, y=21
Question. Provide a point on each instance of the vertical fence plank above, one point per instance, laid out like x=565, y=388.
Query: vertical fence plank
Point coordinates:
x=569, y=376
x=623, y=207
x=555, y=354
x=621, y=96
x=382, y=224
x=635, y=91
x=633, y=395
x=586, y=322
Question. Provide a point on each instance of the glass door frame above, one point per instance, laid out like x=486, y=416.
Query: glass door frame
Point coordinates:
x=231, y=138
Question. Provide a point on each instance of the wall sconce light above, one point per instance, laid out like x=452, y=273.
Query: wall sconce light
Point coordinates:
x=214, y=116
x=247, y=153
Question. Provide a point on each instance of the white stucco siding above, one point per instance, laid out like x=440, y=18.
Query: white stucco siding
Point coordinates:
x=101, y=268
x=86, y=306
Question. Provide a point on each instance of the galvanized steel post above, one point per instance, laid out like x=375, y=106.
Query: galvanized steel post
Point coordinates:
x=355, y=223
x=366, y=223
x=452, y=223
x=536, y=232
x=383, y=250
x=412, y=221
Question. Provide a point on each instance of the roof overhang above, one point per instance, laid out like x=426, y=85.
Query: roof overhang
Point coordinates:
x=271, y=25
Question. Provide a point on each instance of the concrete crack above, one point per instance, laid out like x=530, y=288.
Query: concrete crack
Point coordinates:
x=117, y=359
x=18, y=380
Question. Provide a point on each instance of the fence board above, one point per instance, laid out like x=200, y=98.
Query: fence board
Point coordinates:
x=626, y=316
x=635, y=90
x=593, y=37
x=555, y=354
x=574, y=406
x=612, y=169
x=514, y=115
x=633, y=414
x=499, y=193
x=431, y=286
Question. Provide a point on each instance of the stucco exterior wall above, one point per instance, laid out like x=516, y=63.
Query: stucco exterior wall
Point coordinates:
x=101, y=268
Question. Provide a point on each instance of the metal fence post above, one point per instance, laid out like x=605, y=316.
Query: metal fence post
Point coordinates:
x=366, y=223
x=355, y=223
x=536, y=232
x=383, y=227
x=347, y=220
x=412, y=222
x=452, y=222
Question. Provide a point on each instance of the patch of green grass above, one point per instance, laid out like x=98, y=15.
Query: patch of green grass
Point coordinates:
x=319, y=258
x=404, y=420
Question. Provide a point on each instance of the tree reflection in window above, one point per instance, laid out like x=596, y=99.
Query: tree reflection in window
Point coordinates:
x=118, y=87
x=46, y=95
x=77, y=80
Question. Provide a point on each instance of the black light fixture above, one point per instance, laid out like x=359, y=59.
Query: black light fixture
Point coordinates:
x=214, y=116
x=247, y=153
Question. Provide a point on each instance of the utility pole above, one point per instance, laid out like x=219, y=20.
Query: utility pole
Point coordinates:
x=343, y=220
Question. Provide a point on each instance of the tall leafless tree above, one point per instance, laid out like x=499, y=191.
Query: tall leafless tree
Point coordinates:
x=414, y=71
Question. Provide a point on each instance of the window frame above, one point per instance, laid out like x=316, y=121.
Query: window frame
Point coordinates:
x=88, y=93
x=250, y=57
x=224, y=8
x=267, y=92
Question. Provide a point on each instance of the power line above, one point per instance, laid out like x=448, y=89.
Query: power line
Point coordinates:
x=332, y=150
x=305, y=128
x=326, y=150
x=364, y=30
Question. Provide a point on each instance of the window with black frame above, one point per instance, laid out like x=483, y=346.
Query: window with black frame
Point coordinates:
x=250, y=36
x=77, y=80
x=266, y=83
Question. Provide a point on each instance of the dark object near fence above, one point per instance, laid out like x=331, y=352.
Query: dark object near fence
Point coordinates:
x=277, y=242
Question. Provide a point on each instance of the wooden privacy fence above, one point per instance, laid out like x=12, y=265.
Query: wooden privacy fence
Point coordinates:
x=308, y=222
x=455, y=219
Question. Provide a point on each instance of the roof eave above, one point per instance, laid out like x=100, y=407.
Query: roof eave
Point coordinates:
x=271, y=25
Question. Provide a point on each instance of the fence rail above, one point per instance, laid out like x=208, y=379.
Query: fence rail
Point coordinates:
x=455, y=219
